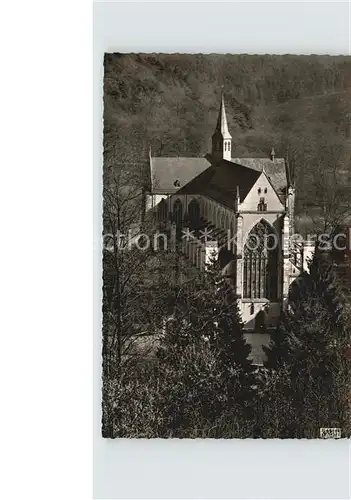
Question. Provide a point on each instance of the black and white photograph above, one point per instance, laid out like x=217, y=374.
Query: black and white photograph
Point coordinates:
x=226, y=302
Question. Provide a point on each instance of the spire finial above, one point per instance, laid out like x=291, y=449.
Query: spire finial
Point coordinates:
x=272, y=154
x=237, y=200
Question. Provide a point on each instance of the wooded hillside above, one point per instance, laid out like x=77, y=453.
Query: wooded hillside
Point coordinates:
x=301, y=105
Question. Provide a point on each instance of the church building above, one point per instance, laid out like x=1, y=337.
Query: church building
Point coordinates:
x=241, y=208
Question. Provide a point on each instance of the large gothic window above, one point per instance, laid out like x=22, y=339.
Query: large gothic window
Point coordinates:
x=178, y=213
x=261, y=263
x=162, y=210
x=194, y=213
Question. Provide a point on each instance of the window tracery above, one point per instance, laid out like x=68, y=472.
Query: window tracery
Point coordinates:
x=261, y=263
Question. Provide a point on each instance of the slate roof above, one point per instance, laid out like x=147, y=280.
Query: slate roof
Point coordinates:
x=221, y=181
x=165, y=171
x=275, y=170
x=217, y=181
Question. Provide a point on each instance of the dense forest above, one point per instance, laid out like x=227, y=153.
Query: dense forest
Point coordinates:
x=301, y=105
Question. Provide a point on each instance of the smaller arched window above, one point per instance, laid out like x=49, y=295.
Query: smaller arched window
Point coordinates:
x=228, y=146
x=262, y=206
x=222, y=222
x=259, y=190
x=265, y=190
x=194, y=213
x=162, y=210
x=225, y=146
x=178, y=212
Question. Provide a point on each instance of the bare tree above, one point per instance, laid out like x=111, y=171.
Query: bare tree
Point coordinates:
x=124, y=258
x=139, y=273
x=333, y=196
x=327, y=199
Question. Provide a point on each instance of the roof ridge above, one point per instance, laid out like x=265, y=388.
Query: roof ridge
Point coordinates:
x=257, y=158
x=180, y=157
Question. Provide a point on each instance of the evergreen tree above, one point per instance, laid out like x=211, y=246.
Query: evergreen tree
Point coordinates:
x=278, y=352
x=215, y=314
x=226, y=337
x=232, y=348
x=311, y=342
x=189, y=376
x=205, y=355
x=316, y=323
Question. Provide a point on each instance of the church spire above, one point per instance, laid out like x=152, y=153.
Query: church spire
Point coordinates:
x=221, y=139
x=222, y=124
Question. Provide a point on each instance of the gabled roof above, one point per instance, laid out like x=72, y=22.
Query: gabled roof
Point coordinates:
x=221, y=182
x=250, y=203
x=274, y=169
x=166, y=171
